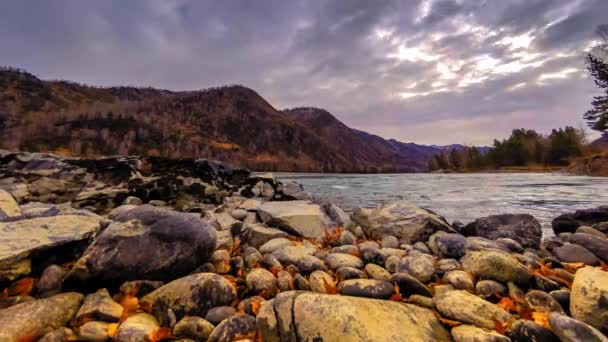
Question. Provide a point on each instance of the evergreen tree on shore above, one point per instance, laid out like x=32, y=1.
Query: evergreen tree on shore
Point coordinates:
x=597, y=66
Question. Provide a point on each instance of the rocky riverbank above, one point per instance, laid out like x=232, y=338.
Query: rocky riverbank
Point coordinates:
x=150, y=249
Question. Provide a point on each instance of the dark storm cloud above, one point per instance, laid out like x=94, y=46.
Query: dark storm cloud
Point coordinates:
x=431, y=71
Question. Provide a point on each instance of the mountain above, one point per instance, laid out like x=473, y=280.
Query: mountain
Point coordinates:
x=233, y=124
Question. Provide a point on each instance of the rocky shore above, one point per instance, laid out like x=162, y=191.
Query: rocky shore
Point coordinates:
x=150, y=249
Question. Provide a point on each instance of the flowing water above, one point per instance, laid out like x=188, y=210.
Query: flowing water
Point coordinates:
x=462, y=197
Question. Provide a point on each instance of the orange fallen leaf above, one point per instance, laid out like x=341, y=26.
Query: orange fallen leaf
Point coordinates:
x=396, y=295
x=330, y=287
x=573, y=266
x=450, y=323
x=542, y=318
x=507, y=304
x=112, y=329
x=21, y=287
x=603, y=266
x=501, y=328
x=256, y=304
x=160, y=334
x=131, y=305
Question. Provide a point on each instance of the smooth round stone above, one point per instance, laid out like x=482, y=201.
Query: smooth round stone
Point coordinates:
x=490, y=288
x=51, y=281
x=275, y=244
x=321, y=282
x=451, y=245
x=233, y=327
x=596, y=245
x=62, y=334
x=269, y=261
x=93, y=331
x=421, y=267
x=461, y=280
x=369, y=288
x=347, y=238
x=346, y=273
x=563, y=298
x=309, y=263
x=543, y=302
x=389, y=241
x=545, y=284
x=589, y=297
x=285, y=281
x=422, y=247
x=220, y=313
x=409, y=285
x=388, y=252
x=574, y=253
x=496, y=265
x=221, y=261
x=468, y=308
x=376, y=272
x=446, y=265
x=592, y=231
x=194, y=328
x=261, y=282
x=391, y=263
x=423, y=301
x=292, y=254
x=346, y=249
x=239, y=214
x=372, y=255
x=467, y=333
x=337, y=260
x=572, y=330
x=529, y=331
x=301, y=283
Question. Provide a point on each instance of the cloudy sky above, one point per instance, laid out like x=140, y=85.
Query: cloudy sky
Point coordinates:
x=428, y=71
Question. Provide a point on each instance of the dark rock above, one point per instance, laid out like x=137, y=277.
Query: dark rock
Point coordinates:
x=193, y=327
x=595, y=244
x=51, y=281
x=451, y=245
x=490, y=288
x=575, y=253
x=346, y=273
x=347, y=238
x=301, y=283
x=218, y=314
x=572, y=330
x=545, y=284
x=309, y=263
x=369, y=288
x=563, y=298
x=237, y=326
x=285, y=281
x=372, y=255
x=523, y=228
x=528, y=331
x=584, y=217
x=510, y=245
x=543, y=302
x=409, y=285
x=146, y=243
x=191, y=295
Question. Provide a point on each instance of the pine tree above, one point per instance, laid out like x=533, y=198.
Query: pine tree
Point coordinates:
x=597, y=65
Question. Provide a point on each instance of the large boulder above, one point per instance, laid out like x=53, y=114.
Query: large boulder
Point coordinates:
x=191, y=295
x=296, y=316
x=568, y=223
x=300, y=218
x=589, y=297
x=20, y=240
x=403, y=220
x=523, y=228
x=146, y=243
x=32, y=319
x=8, y=206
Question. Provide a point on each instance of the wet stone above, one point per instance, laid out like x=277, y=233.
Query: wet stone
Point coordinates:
x=451, y=245
x=409, y=285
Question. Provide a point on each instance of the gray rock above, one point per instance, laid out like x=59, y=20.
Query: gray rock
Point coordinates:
x=216, y=315
x=584, y=217
x=38, y=317
x=309, y=263
x=595, y=244
x=345, y=273
x=490, y=288
x=300, y=283
x=294, y=315
x=370, y=288
x=137, y=328
x=274, y=244
x=389, y=241
x=240, y=326
x=51, y=281
x=421, y=267
x=409, y=285
x=62, y=334
x=294, y=191
x=592, y=231
x=422, y=247
x=543, y=302
x=99, y=306
x=529, y=331
x=471, y=333
x=347, y=238
x=261, y=282
x=223, y=239
x=191, y=295
x=589, y=297
x=451, y=245
x=403, y=220
x=446, y=265
x=574, y=254
x=300, y=218
x=461, y=280
x=291, y=255
x=572, y=330
x=239, y=214
x=263, y=189
x=93, y=331
x=335, y=261
x=377, y=272
x=20, y=239
x=496, y=265
x=392, y=263
x=285, y=281
x=523, y=228
x=346, y=249
x=139, y=288
x=194, y=328
x=423, y=301
x=468, y=308
x=336, y=214
x=146, y=243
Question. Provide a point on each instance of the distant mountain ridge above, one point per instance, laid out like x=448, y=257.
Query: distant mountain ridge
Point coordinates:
x=233, y=124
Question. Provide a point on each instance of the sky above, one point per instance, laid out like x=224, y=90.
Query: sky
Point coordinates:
x=427, y=71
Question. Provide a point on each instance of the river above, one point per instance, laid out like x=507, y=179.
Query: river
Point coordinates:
x=462, y=197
